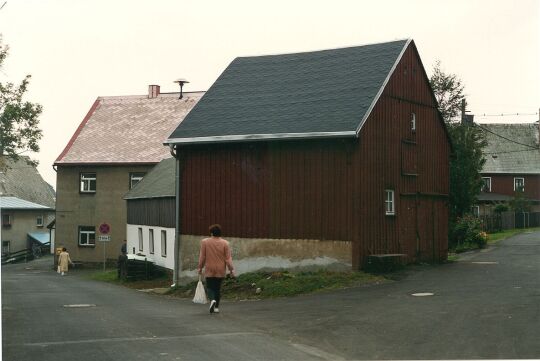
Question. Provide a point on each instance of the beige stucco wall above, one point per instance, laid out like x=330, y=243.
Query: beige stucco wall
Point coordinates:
x=22, y=223
x=251, y=254
x=107, y=205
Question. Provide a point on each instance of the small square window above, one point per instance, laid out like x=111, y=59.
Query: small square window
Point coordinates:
x=135, y=178
x=151, y=241
x=389, y=202
x=88, y=183
x=163, y=243
x=486, y=186
x=6, y=220
x=519, y=184
x=39, y=220
x=413, y=122
x=87, y=236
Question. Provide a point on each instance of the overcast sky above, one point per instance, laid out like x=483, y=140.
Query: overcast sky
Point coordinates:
x=79, y=50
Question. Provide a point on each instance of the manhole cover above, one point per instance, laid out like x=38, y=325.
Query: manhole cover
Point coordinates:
x=422, y=294
x=485, y=262
x=81, y=305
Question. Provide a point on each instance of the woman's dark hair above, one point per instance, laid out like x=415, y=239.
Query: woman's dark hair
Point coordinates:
x=64, y=249
x=215, y=230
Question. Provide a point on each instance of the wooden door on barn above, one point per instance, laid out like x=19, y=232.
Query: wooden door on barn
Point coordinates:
x=407, y=225
x=426, y=230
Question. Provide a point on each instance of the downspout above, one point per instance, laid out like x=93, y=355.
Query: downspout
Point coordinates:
x=177, y=244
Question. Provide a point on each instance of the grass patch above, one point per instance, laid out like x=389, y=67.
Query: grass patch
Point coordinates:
x=259, y=285
x=111, y=276
x=498, y=236
x=492, y=239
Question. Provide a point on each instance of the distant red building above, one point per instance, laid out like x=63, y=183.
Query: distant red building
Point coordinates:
x=512, y=165
x=327, y=156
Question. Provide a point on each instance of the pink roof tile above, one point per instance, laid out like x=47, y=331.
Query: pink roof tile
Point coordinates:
x=127, y=129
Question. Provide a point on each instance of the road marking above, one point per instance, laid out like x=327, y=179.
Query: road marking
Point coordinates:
x=81, y=305
x=136, y=339
x=316, y=352
x=422, y=294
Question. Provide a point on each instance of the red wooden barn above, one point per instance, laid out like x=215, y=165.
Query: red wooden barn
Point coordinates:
x=320, y=156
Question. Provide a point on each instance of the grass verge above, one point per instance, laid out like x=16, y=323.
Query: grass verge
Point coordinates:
x=260, y=285
x=257, y=285
x=493, y=238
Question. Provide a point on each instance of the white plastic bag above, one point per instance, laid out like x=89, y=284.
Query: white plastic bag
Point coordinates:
x=200, y=293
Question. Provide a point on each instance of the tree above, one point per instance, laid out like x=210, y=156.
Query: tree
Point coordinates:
x=468, y=142
x=449, y=92
x=19, y=119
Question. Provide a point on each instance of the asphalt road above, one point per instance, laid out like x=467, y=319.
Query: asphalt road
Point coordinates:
x=487, y=305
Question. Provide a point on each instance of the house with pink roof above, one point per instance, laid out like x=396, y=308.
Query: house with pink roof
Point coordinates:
x=117, y=143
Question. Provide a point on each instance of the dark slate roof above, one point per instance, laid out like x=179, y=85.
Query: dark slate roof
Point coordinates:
x=494, y=197
x=512, y=148
x=324, y=93
x=158, y=183
x=21, y=180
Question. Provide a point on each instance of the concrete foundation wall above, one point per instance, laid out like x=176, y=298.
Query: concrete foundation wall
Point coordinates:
x=253, y=254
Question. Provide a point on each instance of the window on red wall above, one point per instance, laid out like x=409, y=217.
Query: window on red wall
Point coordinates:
x=519, y=184
x=486, y=186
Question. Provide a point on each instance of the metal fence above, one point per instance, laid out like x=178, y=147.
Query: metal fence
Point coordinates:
x=510, y=220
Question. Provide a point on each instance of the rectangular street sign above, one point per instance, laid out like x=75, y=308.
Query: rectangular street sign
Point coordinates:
x=106, y=238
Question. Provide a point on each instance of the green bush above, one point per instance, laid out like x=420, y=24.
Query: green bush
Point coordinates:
x=467, y=231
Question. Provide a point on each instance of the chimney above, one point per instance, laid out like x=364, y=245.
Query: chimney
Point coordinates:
x=153, y=91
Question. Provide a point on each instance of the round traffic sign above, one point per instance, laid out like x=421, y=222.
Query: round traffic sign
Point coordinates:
x=104, y=228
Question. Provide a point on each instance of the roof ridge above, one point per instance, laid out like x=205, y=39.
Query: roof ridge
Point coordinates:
x=325, y=49
x=145, y=96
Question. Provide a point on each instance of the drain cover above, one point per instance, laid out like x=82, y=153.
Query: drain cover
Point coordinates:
x=81, y=305
x=485, y=262
x=422, y=294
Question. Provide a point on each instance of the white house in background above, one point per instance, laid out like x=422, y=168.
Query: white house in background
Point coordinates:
x=151, y=215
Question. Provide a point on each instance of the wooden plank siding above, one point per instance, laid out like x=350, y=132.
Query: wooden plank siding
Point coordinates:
x=151, y=212
x=504, y=184
x=334, y=189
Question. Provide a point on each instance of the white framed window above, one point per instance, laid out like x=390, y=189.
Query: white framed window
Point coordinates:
x=151, y=241
x=475, y=210
x=519, y=184
x=486, y=186
x=6, y=247
x=163, y=243
x=87, y=236
x=39, y=220
x=141, y=243
x=413, y=122
x=389, y=202
x=6, y=220
x=135, y=178
x=88, y=183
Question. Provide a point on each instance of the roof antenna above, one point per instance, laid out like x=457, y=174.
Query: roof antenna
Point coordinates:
x=181, y=82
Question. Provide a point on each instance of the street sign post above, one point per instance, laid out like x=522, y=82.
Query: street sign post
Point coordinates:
x=104, y=229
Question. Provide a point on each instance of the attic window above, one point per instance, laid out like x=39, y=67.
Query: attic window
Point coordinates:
x=135, y=178
x=413, y=122
x=39, y=220
x=486, y=185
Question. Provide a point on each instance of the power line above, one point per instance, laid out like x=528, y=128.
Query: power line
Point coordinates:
x=503, y=137
x=513, y=151
x=505, y=114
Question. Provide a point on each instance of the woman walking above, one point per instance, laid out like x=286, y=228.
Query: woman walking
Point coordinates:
x=63, y=261
x=215, y=257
